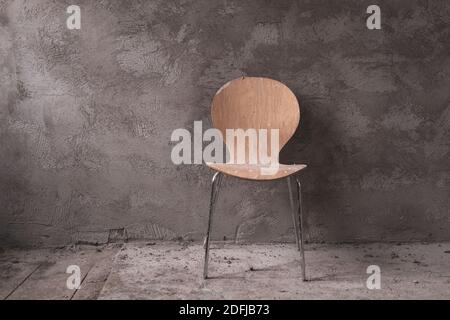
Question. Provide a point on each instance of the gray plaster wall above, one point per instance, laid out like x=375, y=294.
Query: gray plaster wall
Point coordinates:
x=86, y=118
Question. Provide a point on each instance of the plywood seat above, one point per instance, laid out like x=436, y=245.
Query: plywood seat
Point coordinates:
x=254, y=171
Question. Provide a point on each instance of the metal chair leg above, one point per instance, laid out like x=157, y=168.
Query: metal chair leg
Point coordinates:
x=294, y=216
x=216, y=181
x=300, y=225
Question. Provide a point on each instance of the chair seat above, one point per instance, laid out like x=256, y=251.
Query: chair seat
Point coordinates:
x=253, y=171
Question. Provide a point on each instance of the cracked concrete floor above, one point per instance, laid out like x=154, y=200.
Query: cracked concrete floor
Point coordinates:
x=170, y=270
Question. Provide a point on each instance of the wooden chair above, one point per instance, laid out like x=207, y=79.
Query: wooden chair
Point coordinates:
x=256, y=103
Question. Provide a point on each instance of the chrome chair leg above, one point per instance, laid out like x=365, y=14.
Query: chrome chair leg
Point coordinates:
x=216, y=181
x=300, y=227
x=294, y=216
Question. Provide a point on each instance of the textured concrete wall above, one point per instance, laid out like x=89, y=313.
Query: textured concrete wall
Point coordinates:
x=86, y=117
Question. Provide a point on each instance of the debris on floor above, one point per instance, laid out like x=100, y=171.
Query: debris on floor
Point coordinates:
x=173, y=270
x=272, y=271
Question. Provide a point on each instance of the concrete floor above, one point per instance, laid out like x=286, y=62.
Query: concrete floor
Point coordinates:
x=169, y=270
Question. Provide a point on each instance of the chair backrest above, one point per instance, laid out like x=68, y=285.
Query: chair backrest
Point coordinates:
x=256, y=103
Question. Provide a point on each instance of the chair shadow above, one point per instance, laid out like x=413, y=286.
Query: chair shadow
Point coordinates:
x=318, y=144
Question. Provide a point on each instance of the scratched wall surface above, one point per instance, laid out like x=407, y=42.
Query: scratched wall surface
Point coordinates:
x=86, y=118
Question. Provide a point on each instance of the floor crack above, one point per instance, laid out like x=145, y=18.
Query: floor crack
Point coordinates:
x=22, y=282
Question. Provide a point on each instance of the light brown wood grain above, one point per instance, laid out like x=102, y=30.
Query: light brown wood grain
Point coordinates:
x=255, y=103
